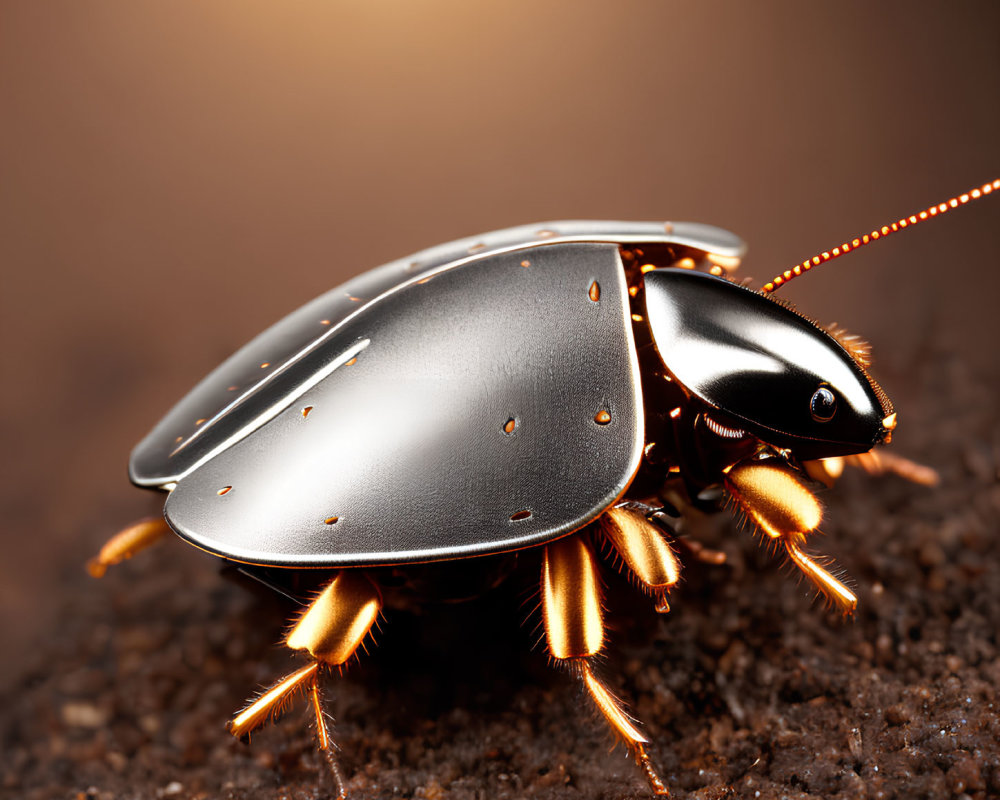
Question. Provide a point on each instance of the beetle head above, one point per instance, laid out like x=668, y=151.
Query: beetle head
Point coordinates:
x=780, y=376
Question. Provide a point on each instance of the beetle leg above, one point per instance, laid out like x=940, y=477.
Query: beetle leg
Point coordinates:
x=875, y=462
x=574, y=630
x=644, y=550
x=126, y=543
x=880, y=462
x=611, y=707
x=781, y=505
x=330, y=630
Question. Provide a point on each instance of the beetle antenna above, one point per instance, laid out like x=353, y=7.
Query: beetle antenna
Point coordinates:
x=828, y=255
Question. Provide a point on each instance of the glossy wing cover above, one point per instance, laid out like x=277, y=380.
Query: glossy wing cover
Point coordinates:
x=380, y=430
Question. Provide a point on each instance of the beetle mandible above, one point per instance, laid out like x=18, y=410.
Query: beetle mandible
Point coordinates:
x=549, y=387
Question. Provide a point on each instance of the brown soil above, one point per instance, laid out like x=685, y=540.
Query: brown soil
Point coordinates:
x=747, y=688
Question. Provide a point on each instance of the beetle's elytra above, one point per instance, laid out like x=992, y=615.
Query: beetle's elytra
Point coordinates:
x=540, y=389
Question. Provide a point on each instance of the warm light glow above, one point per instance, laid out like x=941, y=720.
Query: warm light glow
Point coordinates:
x=728, y=263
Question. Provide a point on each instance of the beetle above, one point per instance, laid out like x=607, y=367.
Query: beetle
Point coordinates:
x=555, y=387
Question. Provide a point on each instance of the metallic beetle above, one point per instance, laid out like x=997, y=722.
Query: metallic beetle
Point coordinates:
x=550, y=387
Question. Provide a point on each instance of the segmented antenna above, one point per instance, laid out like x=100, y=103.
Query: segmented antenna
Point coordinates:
x=828, y=255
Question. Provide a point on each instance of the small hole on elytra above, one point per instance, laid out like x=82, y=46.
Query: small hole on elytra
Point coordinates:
x=525, y=263
x=520, y=515
x=509, y=425
x=602, y=417
x=306, y=410
x=331, y=520
x=224, y=490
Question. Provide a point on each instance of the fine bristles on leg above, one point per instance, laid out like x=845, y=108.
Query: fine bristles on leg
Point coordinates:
x=614, y=713
x=322, y=732
x=610, y=707
x=127, y=543
x=271, y=702
x=831, y=588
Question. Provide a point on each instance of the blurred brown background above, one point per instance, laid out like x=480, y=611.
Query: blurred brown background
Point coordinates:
x=174, y=177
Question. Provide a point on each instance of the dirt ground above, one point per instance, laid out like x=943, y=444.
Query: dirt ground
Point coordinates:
x=747, y=688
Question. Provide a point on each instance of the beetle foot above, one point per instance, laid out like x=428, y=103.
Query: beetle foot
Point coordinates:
x=655, y=782
x=335, y=773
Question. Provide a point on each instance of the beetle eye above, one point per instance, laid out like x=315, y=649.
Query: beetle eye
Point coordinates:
x=823, y=404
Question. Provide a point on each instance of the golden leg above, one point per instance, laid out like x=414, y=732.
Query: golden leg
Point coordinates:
x=875, y=462
x=571, y=599
x=271, y=703
x=780, y=504
x=331, y=629
x=574, y=630
x=323, y=740
x=127, y=543
x=881, y=462
x=614, y=713
x=644, y=550
x=832, y=588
